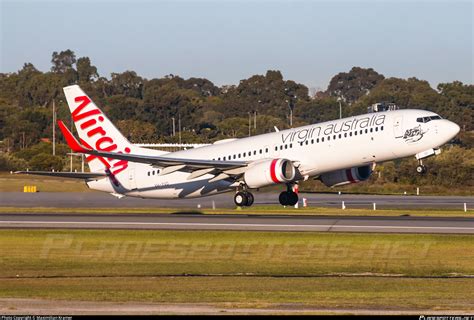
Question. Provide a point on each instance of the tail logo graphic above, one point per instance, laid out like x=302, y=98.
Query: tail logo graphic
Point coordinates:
x=91, y=125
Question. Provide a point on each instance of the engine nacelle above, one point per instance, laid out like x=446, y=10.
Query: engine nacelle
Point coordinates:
x=346, y=176
x=268, y=172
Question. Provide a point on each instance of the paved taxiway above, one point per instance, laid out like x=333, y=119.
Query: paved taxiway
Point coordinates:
x=403, y=224
x=105, y=200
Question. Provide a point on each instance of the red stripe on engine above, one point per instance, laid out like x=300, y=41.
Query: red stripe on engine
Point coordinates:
x=349, y=175
x=273, y=171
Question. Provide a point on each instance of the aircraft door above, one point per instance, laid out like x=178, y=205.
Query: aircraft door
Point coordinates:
x=132, y=182
x=397, y=127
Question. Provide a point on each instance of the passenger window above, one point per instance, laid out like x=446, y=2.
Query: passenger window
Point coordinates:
x=355, y=133
x=322, y=139
x=366, y=131
x=312, y=141
x=148, y=173
x=376, y=129
x=307, y=142
x=345, y=134
x=329, y=138
x=371, y=129
x=317, y=140
x=266, y=150
x=254, y=152
x=334, y=137
x=340, y=136
x=286, y=146
x=291, y=145
x=350, y=133
x=260, y=151
x=381, y=128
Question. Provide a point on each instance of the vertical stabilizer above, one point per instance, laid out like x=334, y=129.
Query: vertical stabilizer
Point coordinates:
x=96, y=131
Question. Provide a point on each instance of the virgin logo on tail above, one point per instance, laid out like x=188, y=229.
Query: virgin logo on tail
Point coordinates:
x=91, y=125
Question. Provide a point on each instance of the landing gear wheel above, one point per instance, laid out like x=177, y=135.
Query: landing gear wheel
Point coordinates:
x=288, y=198
x=284, y=198
x=241, y=199
x=421, y=169
x=293, y=198
x=249, y=199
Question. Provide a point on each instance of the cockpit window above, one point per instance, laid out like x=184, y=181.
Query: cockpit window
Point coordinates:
x=428, y=119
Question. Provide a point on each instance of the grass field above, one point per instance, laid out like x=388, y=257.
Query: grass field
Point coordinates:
x=240, y=268
x=15, y=182
x=259, y=292
x=254, y=210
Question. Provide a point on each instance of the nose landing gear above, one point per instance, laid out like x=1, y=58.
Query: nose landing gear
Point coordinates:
x=421, y=168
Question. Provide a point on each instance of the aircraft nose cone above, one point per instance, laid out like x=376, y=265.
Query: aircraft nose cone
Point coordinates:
x=452, y=129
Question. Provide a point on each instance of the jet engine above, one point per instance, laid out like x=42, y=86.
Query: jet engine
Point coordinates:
x=268, y=172
x=346, y=176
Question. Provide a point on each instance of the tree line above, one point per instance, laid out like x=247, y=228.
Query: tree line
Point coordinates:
x=144, y=109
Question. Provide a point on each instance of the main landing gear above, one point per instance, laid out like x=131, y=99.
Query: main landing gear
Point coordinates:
x=243, y=198
x=289, y=197
x=420, y=168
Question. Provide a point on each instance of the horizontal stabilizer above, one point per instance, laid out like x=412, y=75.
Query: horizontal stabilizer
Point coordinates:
x=169, y=164
x=74, y=175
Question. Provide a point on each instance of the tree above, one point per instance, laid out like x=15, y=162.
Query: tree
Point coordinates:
x=460, y=103
x=85, y=71
x=352, y=85
x=127, y=83
x=63, y=61
x=319, y=110
x=137, y=131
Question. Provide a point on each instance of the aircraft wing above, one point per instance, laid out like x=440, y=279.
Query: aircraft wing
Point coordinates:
x=74, y=175
x=168, y=163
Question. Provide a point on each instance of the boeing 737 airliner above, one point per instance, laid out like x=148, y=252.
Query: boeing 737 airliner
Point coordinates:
x=336, y=152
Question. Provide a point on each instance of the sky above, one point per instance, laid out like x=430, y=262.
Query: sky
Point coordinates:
x=226, y=41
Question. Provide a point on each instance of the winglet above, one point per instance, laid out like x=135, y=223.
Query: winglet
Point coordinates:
x=70, y=139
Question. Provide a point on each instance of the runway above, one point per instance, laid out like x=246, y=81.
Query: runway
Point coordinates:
x=241, y=223
x=105, y=200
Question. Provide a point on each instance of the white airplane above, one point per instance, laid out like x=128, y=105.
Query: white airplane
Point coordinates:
x=336, y=152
